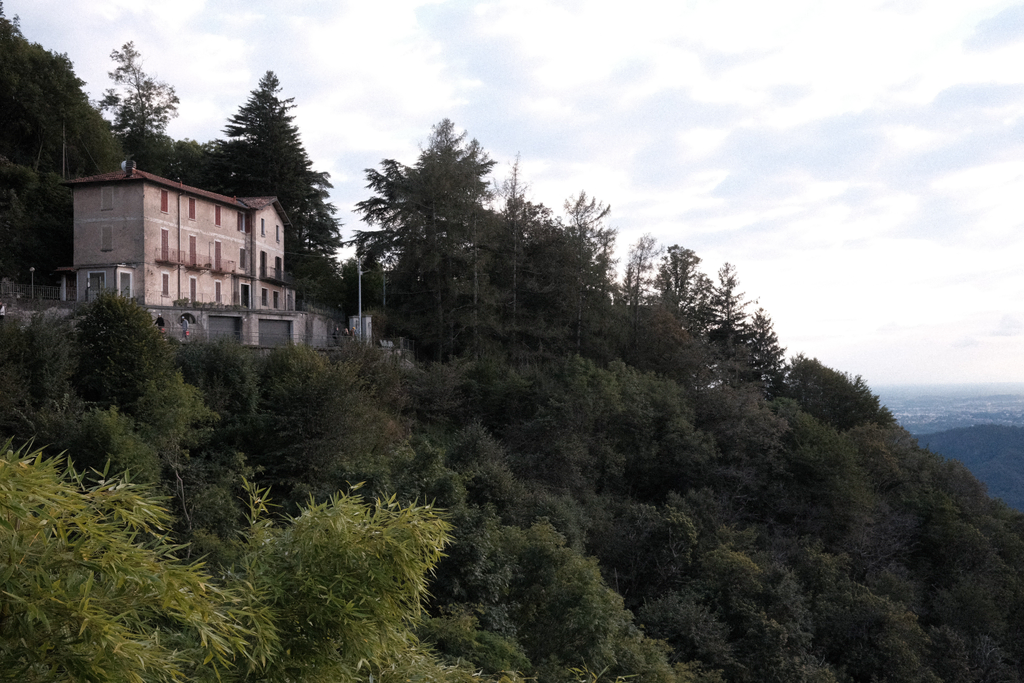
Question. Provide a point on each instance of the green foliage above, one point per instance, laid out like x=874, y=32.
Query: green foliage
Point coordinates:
x=121, y=352
x=47, y=124
x=456, y=635
x=37, y=366
x=36, y=223
x=566, y=615
x=142, y=107
x=433, y=229
x=263, y=156
x=832, y=396
x=107, y=440
x=320, y=428
x=92, y=588
x=343, y=581
x=225, y=372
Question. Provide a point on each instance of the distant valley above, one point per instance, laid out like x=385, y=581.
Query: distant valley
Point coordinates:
x=981, y=425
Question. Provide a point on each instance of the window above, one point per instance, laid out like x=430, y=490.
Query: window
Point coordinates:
x=192, y=250
x=263, y=227
x=277, y=230
x=106, y=238
x=106, y=198
x=192, y=208
x=165, y=248
x=277, y=266
x=95, y=284
x=243, y=263
x=192, y=289
x=126, y=285
x=166, y=279
x=164, y=201
x=263, y=297
x=243, y=294
x=216, y=291
x=276, y=302
x=216, y=255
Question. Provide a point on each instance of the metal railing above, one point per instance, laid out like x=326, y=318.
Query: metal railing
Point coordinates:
x=276, y=275
x=11, y=290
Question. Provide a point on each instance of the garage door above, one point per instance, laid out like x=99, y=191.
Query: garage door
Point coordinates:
x=275, y=332
x=225, y=326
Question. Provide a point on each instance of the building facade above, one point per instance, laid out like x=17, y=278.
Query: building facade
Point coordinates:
x=164, y=244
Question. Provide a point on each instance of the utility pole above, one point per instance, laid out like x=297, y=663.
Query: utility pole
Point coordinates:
x=359, y=268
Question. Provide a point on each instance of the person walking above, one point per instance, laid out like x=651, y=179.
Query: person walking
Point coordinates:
x=3, y=312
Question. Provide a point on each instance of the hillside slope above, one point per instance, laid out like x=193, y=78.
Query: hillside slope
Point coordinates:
x=993, y=453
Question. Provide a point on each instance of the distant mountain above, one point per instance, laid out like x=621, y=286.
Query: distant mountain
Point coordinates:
x=993, y=453
x=927, y=409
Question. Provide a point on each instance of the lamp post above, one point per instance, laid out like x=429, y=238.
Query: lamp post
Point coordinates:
x=32, y=287
x=359, y=267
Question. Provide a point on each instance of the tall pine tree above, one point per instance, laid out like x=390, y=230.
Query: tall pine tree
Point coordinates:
x=263, y=156
x=435, y=235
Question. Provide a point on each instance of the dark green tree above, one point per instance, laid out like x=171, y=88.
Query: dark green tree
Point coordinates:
x=834, y=397
x=730, y=326
x=434, y=238
x=589, y=267
x=263, y=156
x=765, y=355
x=36, y=223
x=46, y=121
x=122, y=352
x=142, y=107
x=684, y=290
x=638, y=282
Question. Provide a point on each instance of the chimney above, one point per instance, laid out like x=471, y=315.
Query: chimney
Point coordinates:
x=129, y=169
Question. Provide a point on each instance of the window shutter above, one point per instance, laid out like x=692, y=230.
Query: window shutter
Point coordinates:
x=163, y=200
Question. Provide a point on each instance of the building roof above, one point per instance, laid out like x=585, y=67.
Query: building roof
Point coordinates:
x=135, y=175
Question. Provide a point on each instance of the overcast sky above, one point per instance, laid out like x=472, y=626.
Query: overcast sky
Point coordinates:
x=861, y=164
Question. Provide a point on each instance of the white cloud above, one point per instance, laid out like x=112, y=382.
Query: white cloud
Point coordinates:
x=858, y=162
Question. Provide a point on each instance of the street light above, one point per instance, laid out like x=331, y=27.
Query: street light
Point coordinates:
x=359, y=266
x=32, y=288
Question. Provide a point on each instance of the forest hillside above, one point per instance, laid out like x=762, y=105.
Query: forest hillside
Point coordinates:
x=588, y=470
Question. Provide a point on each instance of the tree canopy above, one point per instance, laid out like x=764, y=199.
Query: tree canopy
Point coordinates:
x=263, y=156
x=141, y=107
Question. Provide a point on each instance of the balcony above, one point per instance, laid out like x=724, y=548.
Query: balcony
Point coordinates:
x=276, y=275
x=185, y=258
x=172, y=256
x=223, y=266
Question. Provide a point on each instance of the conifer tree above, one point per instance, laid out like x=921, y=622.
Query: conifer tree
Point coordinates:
x=263, y=156
x=435, y=235
x=684, y=290
x=590, y=263
x=765, y=356
x=730, y=327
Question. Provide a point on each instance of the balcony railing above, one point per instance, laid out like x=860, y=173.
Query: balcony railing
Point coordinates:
x=223, y=266
x=276, y=275
x=174, y=256
x=180, y=257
